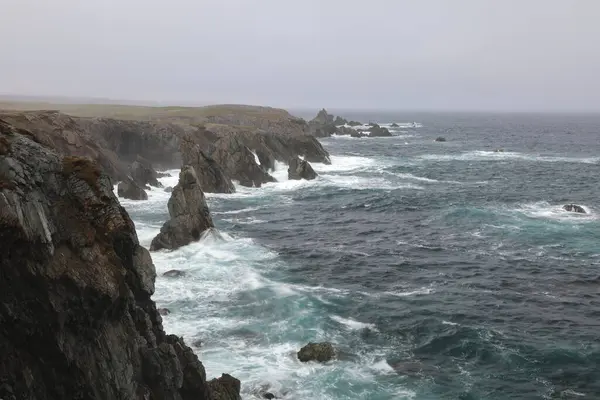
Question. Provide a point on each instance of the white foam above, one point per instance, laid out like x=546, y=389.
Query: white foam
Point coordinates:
x=352, y=324
x=418, y=292
x=545, y=210
x=481, y=155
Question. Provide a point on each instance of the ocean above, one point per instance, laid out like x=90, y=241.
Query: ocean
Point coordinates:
x=440, y=270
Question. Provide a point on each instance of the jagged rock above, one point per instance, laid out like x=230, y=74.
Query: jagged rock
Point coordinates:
x=340, y=121
x=164, y=311
x=174, y=273
x=321, y=352
x=128, y=189
x=163, y=175
x=225, y=388
x=344, y=130
x=378, y=131
x=143, y=174
x=210, y=174
x=300, y=169
x=239, y=163
x=188, y=212
x=76, y=318
x=440, y=139
x=354, y=123
x=267, y=159
x=394, y=125
x=323, y=118
x=169, y=189
x=574, y=208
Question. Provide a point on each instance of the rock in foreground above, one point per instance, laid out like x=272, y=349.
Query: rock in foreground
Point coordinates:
x=188, y=211
x=321, y=352
x=76, y=316
x=300, y=169
x=128, y=189
x=574, y=208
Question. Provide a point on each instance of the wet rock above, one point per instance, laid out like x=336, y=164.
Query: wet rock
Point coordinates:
x=378, y=131
x=188, y=211
x=164, y=311
x=574, y=208
x=169, y=189
x=225, y=388
x=300, y=169
x=197, y=343
x=268, y=395
x=174, y=273
x=344, y=130
x=76, y=289
x=340, y=121
x=499, y=151
x=211, y=174
x=143, y=173
x=440, y=139
x=394, y=125
x=320, y=352
x=354, y=123
x=128, y=189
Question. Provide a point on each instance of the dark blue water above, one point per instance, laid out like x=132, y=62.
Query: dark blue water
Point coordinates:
x=442, y=270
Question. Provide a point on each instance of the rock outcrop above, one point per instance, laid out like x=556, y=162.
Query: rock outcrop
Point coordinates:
x=340, y=121
x=394, y=125
x=128, y=189
x=574, y=208
x=300, y=169
x=321, y=352
x=440, y=139
x=323, y=118
x=354, y=123
x=211, y=176
x=76, y=316
x=377, y=131
x=188, y=212
x=143, y=173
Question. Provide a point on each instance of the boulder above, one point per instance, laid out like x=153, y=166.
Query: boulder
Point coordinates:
x=320, y=352
x=77, y=317
x=188, y=212
x=128, y=189
x=378, y=131
x=574, y=208
x=440, y=139
x=174, y=273
x=300, y=169
x=169, y=189
x=224, y=388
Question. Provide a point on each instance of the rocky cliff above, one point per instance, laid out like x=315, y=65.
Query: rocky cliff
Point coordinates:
x=76, y=317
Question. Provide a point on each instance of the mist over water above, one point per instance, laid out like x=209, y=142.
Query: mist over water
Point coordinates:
x=440, y=270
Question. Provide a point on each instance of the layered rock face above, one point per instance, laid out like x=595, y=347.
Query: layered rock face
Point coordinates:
x=128, y=189
x=76, y=318
x=189, y=214
x=210, y=175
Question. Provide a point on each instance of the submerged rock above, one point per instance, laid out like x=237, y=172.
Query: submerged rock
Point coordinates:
x=574, y=208
x=499, y=151
x=188, y=212
x=169, y=189
x=77, y=318
x=440, y=139
x=320, y=352
x=174, y=273
x=128, y=189
x=300, y=169
x=164, y=311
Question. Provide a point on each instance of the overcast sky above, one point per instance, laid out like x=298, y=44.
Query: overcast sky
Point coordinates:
x=393, y=54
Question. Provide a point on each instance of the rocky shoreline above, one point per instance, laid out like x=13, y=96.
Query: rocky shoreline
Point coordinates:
x=76, y=315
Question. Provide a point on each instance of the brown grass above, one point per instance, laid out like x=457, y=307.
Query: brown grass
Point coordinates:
x=83, y=168
x=4, y=146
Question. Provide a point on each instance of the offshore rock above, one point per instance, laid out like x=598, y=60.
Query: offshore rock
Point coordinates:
x=321, y=352
x=128, y=189
x=211, y=176
x=300, y=169
x=76, y=316
x=143, y=173
x=189, y=214
x=574, y=208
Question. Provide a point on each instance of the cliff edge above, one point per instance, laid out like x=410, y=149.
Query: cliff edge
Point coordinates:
x=76, y=317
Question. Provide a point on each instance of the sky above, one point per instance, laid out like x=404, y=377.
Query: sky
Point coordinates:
x=516, y=55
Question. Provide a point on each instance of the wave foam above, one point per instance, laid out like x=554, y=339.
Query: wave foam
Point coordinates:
x=482, y=155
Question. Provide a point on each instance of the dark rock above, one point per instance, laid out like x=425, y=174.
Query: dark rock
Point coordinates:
x=225, y=388
x=197, y=343
x=163, y=175
x=344, y=130
x=164, y=311
x=394, y=125
x=340, y=121
x=378, y=131
x=169, y=189
x=323, y=118
x=499, y=151
x=440, y=139
x=574, y=208
x=210, y=173
x=269, y=395
x=189, y=214
x=174, y=273
x=321, y=352
x=143, y=174
x=354, y=123
x=239, y=163
x=76, y=318
x=300, y=169
x=128, y=189
x=266, y=159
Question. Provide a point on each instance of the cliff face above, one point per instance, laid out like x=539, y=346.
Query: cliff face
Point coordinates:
x=76, y=318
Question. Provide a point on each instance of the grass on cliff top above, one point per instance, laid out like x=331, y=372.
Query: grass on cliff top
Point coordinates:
x=147, y=113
